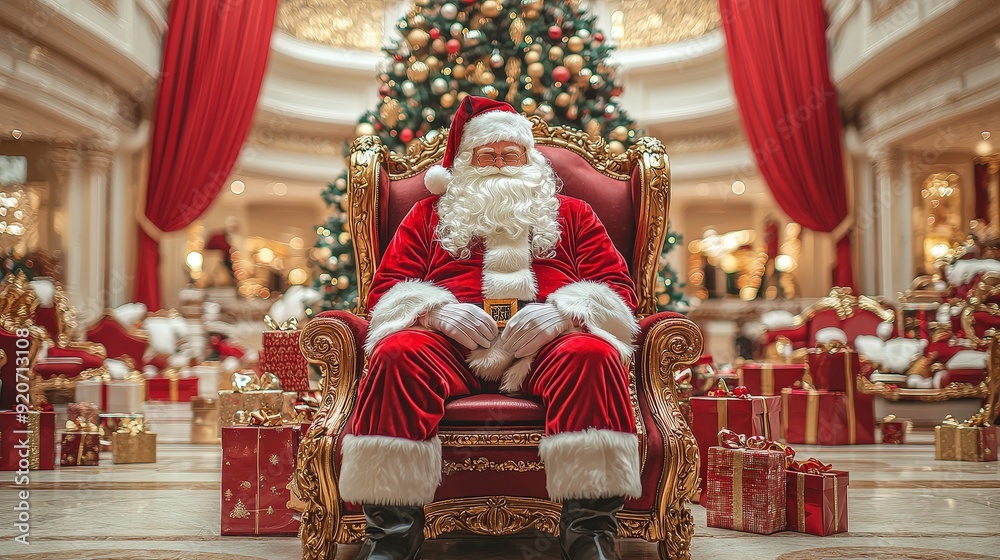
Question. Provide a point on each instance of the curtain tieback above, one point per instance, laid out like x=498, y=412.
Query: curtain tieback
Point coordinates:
x=842, y=229
x=147, y=225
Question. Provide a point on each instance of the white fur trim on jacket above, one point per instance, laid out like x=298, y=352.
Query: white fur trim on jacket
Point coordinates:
x=400, y=307
x=389, y=471
x=507, y=269
x=591, y=464
x=496, y=126
x=601, y=310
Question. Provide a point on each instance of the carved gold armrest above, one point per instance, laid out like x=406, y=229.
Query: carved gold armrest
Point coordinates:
x=671, y=344
x=95, y=348
x=330, y=344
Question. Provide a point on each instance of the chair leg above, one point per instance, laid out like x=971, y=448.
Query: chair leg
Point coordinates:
x=677, y=544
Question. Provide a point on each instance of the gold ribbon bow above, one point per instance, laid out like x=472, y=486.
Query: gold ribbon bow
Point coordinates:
x=832, y=347
x=888, y=418
x=134, y=427
x=949, y=421
x=289, y=325
x=246, y=382
x=264, y=416
x=978, y=420
x=80, y=425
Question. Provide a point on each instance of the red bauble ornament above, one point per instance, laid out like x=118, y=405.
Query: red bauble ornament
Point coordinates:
x=598, y=37
x=561, y=74
x=435, y=33
x=406, y=135
x=741, y=391
x=383, y=90
x=453, y=46
x=555, y=32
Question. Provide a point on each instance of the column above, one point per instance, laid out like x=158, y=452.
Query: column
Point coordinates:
x=865, y=232
x=891, y=218
x=67, y=164
x=97, y=164
x=119, y=216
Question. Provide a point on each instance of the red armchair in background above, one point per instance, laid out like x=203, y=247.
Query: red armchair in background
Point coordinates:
x=120, y=342
x=494, y=482
x=67, y=360
x=855, y=315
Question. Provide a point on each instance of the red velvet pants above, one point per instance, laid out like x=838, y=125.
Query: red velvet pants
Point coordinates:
x=579, y=377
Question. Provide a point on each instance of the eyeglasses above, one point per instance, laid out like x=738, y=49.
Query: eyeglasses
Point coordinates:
x=492, y=159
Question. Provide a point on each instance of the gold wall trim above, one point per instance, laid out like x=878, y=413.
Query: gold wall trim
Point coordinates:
x=345, y=24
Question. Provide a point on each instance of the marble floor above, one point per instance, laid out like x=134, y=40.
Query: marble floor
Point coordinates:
x=903, y=505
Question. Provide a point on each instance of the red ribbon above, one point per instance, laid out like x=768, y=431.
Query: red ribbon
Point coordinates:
x=733, y=440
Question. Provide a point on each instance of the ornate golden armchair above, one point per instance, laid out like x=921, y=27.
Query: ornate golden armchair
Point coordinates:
x=17, y=309
x=494, y=482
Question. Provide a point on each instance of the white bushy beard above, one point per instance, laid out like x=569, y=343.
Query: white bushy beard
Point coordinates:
x=511, y=201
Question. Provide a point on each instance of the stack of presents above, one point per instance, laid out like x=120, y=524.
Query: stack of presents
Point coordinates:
x=136, y=380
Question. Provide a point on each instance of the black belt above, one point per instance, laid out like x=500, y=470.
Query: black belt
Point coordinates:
x=502, y=309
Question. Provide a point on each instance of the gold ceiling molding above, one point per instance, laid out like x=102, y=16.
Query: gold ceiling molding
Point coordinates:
x=646, y=23
x=337, y=23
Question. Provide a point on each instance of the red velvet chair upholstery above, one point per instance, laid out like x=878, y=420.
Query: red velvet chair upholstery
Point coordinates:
x=494, y=482
x=855, y=315
x=119, y=342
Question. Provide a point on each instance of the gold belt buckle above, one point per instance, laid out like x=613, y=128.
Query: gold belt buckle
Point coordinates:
x=501, y=309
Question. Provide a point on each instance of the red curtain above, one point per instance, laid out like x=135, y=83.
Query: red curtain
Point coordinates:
x=213, y=63
x=982, y=192
x=781, y=77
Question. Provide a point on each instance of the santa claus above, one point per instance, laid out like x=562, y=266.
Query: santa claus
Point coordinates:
x=499, y=280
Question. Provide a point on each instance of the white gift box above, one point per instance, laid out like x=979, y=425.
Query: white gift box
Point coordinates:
x=124, y=397
x=90, y=390
x=208, y=379
x=171, y=421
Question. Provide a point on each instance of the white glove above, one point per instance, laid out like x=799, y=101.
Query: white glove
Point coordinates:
x=464, y=323
x=532, y=328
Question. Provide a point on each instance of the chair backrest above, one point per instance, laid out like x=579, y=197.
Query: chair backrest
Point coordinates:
x=855, y=315
x=630, y=192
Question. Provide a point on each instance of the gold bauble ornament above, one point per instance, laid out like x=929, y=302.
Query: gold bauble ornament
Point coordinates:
x=389, y=111
x=434, y=63
x=620, y=133
x=573, y=63
x=562, y=99
x=537, y=47
x=536, y=70
x=486, y=78
x=491, y=8
x=572, y=112
x=490, y=91
x=417, y=71
x=555, y=54
x=448, y=100
x=528, y=105
x=364, y=129
x=616, y=147
x=593, y=127
x=531, y=14
x=438, y=46
x=418, y=38
x=575, y=44
x=532, y=57
x=458, y=72
x=546, y=112
x=462, y=95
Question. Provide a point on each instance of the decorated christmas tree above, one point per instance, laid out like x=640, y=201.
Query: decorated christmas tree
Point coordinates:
x=669, y=289
x=544, y=58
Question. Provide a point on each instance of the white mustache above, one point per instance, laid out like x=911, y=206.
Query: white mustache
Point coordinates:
x=508, y=170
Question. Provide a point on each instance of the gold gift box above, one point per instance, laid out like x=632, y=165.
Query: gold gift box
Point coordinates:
x=231, y=402
x=965, y=443
x=204, y=420
x=133, y=448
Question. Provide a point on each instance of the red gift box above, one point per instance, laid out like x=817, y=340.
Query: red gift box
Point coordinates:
x=32, y=440
x=972, y=376
x=171, y=389
x=833, y=369
x=80, y=448
x=770, y=379
x=745, y=490
x=827, y=417
x=85, y=412
x=755, y=416
x=817, y=503
x=258, y=462
x=893, y=429
x=280, y=355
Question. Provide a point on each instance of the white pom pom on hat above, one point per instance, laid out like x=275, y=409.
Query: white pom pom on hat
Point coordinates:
x=478, y=121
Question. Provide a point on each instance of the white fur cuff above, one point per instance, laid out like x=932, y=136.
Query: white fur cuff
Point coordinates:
x=400, y=307
x=601, y=310
x=389, y=471
x=591, y=464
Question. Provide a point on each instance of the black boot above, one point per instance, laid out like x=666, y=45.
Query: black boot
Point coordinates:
x=393, y=533
x=588, y=528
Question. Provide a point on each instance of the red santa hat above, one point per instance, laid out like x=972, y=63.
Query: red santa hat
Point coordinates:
x=478, y=121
